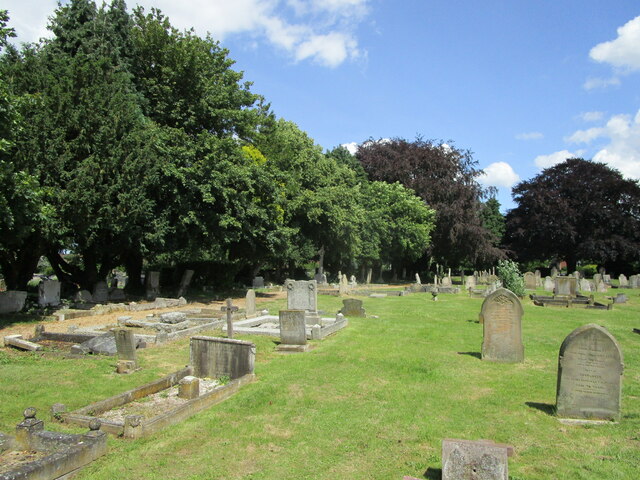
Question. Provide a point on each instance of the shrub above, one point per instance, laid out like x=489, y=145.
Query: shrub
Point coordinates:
x=510, y=276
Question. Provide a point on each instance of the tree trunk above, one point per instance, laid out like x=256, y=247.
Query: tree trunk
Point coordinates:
x=18, y=266
x=133, y=266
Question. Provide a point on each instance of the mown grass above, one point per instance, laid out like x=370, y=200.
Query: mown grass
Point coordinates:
x=372, y=402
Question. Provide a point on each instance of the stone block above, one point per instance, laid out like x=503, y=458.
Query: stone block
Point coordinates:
x=189, y=387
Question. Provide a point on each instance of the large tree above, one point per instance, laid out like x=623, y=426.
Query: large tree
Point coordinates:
x=446, y=179
x=576, y=210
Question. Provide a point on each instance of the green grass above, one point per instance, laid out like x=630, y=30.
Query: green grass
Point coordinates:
x=371, y=402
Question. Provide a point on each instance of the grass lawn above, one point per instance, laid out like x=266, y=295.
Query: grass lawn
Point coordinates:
x=373, y=401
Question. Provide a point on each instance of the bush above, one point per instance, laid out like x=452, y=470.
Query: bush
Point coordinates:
x=510, y=276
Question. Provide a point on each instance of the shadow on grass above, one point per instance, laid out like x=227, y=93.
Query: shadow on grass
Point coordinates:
x=543, y=407
x=471, y=354
x=433, y=473
x=473, y=321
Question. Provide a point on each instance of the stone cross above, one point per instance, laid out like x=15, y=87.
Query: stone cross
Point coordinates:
x=229, y=308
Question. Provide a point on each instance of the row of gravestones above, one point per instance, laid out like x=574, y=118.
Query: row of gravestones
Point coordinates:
x=600, y=282
x=590, y=363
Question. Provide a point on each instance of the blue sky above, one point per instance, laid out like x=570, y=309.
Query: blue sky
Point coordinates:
x=522, y=84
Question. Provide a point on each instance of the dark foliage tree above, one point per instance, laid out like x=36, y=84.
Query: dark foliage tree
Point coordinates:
x=493, y=219
x=446, y=179
x=576, y=210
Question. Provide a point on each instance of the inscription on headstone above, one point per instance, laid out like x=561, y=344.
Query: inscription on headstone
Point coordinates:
x=590, y=367
x=501, y=314
x=302, y=295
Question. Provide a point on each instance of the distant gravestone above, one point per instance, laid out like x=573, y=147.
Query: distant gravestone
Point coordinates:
x=49, y=293
x=126, y=349
x=418, y=280
x=12, y=301
x=576, y=274
x=250, y=303
x=352, y=281
x=469, y=460
x=153, y=285
x=606, y=278
x=100, y=292
x=601, y=287
x=352, y=307
x=554, y=272
x=538, y=276
x=185, y=282
x=565, y=286
x=446, y=282
x=343, y=286
x=258, y=282
x=597, y=278
x=590, y=367
x=501, y=315
x=585, y=285
x=622, y=281
x=548, y=284
x=470, y=282
x=633, y=281
x=83, y=296
x=217, y=357
x=302, y=295
x=530, y=281
x=292, y=327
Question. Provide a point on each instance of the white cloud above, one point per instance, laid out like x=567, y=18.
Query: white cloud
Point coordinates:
x=596, y=82
x=529, y=136
x=624, y=51
x=591, y=116
x=328, y=50
x=622, y=148
x=546, y=161
x=499, y=174
x=29, y=18
x=352, y=147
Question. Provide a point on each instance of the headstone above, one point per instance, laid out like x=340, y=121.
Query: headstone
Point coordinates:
x=320, y=278
x=601, y=287
x=185, y=282
x=302, y=295
x=501, y=315
x=250, y=303
x=102, y=344
x=352, y=307
x=117, y=295
x=554, y=272
x=634, y=281
x=293, y=327
x=84, y=296
x=100, y=292
x=597, y=278
x=620, y=298
x=538, y=276
x=49, y=293
x=469, y=460
x=548, y=284
x=369, y=275
x=565, y=286
x=229, y=308
x=590, y=367
x=606, y=278
x=622, y=281
x=343, y=286
x=258, y=282
x=418, y=281
x=216, y=357
x=353, y=282
x=125, y=344
x=153, y=285
x=585, y=285
x=446, y=282
x=530, y=281
x=12, y=301
x=470, y=282
x=576, y=274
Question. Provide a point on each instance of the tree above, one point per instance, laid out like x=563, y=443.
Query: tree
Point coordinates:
x=446, y=179
x=576, y=210
x=493, y=220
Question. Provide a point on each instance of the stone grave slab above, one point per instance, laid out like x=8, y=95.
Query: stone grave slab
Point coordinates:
x=474, y=460
x=501, y=315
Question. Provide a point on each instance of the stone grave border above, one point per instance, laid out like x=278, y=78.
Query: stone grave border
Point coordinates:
x=328, y=326
x=133, y=426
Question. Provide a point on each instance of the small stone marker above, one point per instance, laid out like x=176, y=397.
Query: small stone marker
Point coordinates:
x=501, y=314
x=590, y=367
x=189, y=388
x=293, y=334
x=250, y=303
x=229, y=308
x=216, y=357
x=352, y=307
x=474, y=460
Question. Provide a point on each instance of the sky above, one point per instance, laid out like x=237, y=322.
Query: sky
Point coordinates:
x=522, y=84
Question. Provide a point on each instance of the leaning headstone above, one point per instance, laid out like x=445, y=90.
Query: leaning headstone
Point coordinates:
x=548, y=284
x=293, y=334
x=469, y=460
x=100, y=292
x=185, y=282
x=352, y=307
x=622, y=281
x=258, y=282
x=530, y=281
x=501, y=315
x=565, y=286
x=418, y=280
x=250, y=303
x=302, y=295
x=153, y=285
x=49, y=293
x=217, y=357
x=12, y=301
x=590, y=367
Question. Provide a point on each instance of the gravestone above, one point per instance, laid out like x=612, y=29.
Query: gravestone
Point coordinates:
x=352, y=307
x=83, y=296
x=292, y=327
x=418, y=281
x=185, y=282
x=469, y=460
x=554, y=272
x=634, y=280
x=320, y=278
x=100, y=292
x=302, y=295
x=49, y=293
x=565, y=286
x=126, y=349
x=590, y=367
x=538, y=278
x=343, y=286
x=470, y=282
x=530, y=281
x=250, y=303
x=353, y=282
x=12, y=301
x=548, y=284
x=369, y=275
x=601, y=287
x=576, y=274
x=217, y=357
x=585, y=285
x=153, y=285
x=258, y=282
x=446, y=282
x=501, y=315
x=3, y=285
x=606, y=278
x=622, y=281
x=597, y=278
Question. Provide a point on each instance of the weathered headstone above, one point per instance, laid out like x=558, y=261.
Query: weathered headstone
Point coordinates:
x=352, y=281
x=153, y=285
x=565, y=286
x=83, y=296
x=470, y=282
x=606, y=278
x=576, y=274
x=445, y=282
x=302, y=295
x=597, y=278
x=100, y=292
x=250, y=303
x=189, y=387
x=554, y=272
x=12, y=301
x=634, y=281
x=601, y=287
x=352, y=307
x=49, y=293
x=292, y=330
x=216, y=357
x=258, y=282
x=418, y=280
x=548, y=284
x=343, y=287
x=530, y=281
x=117, y=295
x=590, y=367
x=126, y=349
x=585, y=285
x=538, y=276
x=469, y=460
x=622, y=281
x=185, y=282
x=502, y=317
x=369, y=275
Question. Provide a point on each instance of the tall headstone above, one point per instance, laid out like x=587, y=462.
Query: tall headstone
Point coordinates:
x=185, y=282
x=597, y=278
x=565, y=286
x=548, y=284
x=538, y=276
x=418, y=280
x=343, y=287
x=216, y=357
x=470, y=282
x=634, y=281
x=369, y=275
x=49, y=293
x=501, y=315
x=590, y=367
x=469, y=460
x=100, y=292
x=153, y=285
x=530, y=281
x=250, y=303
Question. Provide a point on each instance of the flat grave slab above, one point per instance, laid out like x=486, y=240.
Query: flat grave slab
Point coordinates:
x=270, y=325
